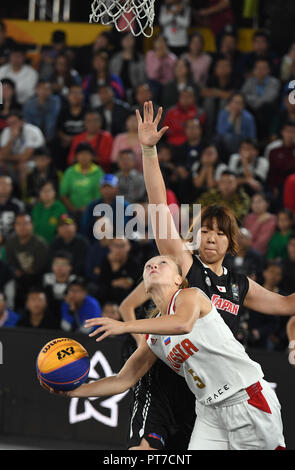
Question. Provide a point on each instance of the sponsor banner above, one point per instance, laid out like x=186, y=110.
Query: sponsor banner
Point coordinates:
x=28, y=410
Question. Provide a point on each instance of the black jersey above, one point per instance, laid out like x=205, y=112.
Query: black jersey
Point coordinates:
x=227, y=292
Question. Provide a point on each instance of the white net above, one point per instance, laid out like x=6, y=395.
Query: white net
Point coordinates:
x=136, y=16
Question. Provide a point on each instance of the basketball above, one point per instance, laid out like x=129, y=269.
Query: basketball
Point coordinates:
x=63, y=364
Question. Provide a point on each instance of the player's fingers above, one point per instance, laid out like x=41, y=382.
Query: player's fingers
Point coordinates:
x=98, y=330
x=151, y=111
x=105, y=335
x=145, y=112
x=159, y=115
x=139, y=119
x=162, y=131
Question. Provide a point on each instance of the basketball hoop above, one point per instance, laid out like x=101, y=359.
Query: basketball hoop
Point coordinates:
x=136, y=16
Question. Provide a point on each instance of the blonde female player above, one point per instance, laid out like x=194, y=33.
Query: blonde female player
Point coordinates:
x=236, y=408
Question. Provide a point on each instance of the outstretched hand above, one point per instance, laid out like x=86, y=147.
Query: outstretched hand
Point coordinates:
x=107, y=326
x=148, y=133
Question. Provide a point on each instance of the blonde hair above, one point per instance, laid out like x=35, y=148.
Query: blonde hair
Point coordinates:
x=155, y=311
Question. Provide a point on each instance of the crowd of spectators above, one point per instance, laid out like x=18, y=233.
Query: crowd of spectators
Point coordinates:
x=68, y=141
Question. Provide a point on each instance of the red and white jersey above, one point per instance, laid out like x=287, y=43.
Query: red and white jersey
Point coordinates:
x=213, y=363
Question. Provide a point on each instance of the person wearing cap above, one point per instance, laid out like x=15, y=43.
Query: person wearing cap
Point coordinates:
x=24, y=76
x=109, y=187
x=80, y=183
x=68, y=240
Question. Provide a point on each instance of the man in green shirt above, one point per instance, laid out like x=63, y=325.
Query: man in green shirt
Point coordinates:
x=80, y=182
x=46, y=213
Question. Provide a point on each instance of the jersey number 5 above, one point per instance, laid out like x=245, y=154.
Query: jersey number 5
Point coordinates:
x=199, y=382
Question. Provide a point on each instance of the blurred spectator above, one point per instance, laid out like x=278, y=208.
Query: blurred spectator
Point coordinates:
x=24, y=76
x=37, y=314
x=218, y=89
x=64, y=76
x=289, y=193
x=42, y=110
x=119, y=272
x=8, y=318
x=260, y=223
x=101, y=141
x=200, y=61
x=7, y=284
x=72, y=242
x=228, y=194
x=78, y=307
x=113, y=112
x=175, y=118
x=282, y=161
x=42, y=171
x=128, y=64
x=7, y=44
x=17, y=144
x=289, y=267
x=265, y=331
x=84, y=54
x=250, y=169
x=50, y=53
x=69, y=124
x=277, y=248
x=111, y=310
x=9, y=101
x=208, y=170
x=286, y=114
x=174, y=19
x=247, y=261
x=100, y=76
x=46, y=213
x=261, y=92
x=131, y=181
x=159, y=66
x=183, y=79
x=56, y=282
x=234, y=124
x=287, y=63
x=9, y=206
x=218, y=15
x=109, y=188
x=97, y=252
x=80, y=182
x=186, y=155
x=27, y=254
x=128, y=140
x=228, y=49
x=260, y=51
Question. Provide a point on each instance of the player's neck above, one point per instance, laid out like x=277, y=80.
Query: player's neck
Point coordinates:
x=216, y=267
x=162, y=296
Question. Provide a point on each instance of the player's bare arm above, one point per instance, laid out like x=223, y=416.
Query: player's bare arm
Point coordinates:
x=264, y=301
x=149, y=136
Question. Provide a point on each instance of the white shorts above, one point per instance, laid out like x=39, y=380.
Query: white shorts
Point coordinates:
x=254, y=423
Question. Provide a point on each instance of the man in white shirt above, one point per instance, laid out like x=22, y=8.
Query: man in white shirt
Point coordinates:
x=24, y=76
x=17, y=143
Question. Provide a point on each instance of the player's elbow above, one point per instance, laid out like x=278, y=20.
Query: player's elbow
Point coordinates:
x=183, y=328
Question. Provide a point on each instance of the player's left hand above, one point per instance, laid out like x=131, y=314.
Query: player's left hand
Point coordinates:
x=107, y=326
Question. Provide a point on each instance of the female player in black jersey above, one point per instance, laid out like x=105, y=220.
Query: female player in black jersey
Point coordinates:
x=154, y=417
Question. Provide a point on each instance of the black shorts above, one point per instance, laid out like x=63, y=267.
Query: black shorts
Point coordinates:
x=163, y=411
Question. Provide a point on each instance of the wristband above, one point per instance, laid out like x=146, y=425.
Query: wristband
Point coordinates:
x=149, y=152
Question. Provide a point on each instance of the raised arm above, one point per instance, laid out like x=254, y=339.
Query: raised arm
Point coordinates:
x=262, y=300
x=167, y=237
